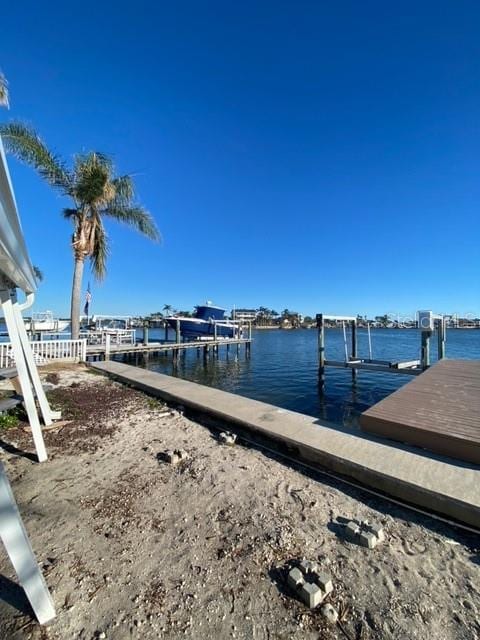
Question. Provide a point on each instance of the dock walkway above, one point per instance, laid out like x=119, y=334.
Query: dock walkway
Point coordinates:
x=438, y=411
x=439, y=485
x=105, y=351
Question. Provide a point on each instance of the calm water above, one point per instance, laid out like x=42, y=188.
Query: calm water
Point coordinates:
x=282, y=369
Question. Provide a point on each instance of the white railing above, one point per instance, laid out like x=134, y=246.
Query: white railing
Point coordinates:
x=46, y=351
x=116, y=336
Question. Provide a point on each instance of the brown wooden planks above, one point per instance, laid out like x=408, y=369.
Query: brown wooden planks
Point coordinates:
x=438, y=410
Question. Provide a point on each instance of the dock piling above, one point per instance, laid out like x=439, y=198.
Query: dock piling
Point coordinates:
x=354, y=348
x=441, y=339
x=177, y=332
x=107, y=346
x=321, y=351
x=425, y=349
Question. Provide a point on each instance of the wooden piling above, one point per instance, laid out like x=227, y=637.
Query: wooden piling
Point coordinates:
x=321, y=351
x=354, y=347
x=425, y=349
x=441, y=338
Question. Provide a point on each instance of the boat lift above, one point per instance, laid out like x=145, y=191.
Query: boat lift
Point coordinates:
x=427, y=322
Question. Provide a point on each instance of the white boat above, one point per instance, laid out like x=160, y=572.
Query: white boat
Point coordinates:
x=46, y=321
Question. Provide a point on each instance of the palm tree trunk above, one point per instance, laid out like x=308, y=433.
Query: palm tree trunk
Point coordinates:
x=76, y=294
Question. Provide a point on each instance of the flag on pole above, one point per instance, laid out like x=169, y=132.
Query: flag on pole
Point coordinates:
x=88, y=299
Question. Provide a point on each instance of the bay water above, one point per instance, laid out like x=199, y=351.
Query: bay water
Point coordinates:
x=283, y=368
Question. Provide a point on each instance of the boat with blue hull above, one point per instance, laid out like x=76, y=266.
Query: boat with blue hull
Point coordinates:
x=207, y=322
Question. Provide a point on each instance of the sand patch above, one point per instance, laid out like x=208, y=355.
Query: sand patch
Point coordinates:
x=134, y=547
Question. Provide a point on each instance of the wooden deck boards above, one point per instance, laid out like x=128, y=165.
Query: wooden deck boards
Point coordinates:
x=439, y=411
x=154, y=347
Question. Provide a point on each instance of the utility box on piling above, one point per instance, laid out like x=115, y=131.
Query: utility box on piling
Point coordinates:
x=426, y=321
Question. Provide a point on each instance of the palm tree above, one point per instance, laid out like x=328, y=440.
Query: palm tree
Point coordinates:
x=3, y=91
x=168, y=309
x=95, y=192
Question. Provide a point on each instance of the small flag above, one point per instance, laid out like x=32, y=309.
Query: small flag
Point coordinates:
x=88, y=299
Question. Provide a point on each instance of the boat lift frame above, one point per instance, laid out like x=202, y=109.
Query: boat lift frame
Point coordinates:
x=427, y=323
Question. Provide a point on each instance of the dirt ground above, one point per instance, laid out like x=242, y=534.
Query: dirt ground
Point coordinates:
x=133, y=547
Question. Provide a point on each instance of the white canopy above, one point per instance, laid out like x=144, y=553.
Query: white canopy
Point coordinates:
x=14, y=261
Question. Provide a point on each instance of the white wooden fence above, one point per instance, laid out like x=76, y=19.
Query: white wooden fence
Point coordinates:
x=44, y=351
x=116, y=336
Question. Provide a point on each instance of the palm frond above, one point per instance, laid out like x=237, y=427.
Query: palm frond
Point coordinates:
x=4, y=101
x=26, y=145
x=124, y=189
x=100, y=252
x=93, y=183
x=136, y=217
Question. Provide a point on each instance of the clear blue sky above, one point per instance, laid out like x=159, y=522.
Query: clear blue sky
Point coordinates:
x=323, y=156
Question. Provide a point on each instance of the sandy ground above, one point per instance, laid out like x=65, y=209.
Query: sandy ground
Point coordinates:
x=133, y=547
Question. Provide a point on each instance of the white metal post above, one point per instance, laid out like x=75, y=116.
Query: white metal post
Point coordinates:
x=369, y=341
x=47, y=413
x=20, y=552
x=345, y=341
x=107, y=346
x=23, y=374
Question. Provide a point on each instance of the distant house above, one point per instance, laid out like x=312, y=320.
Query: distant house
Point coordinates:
x=244, y=315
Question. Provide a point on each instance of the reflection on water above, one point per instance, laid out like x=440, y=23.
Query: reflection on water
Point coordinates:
x=283, y=367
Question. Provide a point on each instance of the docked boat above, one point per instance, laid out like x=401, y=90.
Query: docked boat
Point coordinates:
x=45, y=321
x=207, y=322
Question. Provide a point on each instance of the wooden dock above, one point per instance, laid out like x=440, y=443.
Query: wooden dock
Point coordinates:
x=438, y=411
x=106, y=351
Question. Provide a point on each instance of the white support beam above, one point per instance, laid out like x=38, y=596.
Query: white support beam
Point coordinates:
x=47, y=413
x=23, y=374
x=20, y=552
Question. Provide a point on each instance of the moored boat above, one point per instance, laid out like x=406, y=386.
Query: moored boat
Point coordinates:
x=207, y=322
x=45, y=321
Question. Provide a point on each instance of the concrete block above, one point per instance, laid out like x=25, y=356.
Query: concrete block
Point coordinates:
x=295, y=579
x=329, y=612
x=366, y=534
x=181, y=454
x=368, y=539
x=352, y=531
x=307, y=566
x=174, y=457
x=311, y=584
x=227, y=438
x=377, y=531
x=311, y=594
x=324, y=581
x=171, y=457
